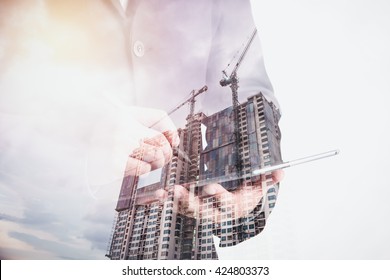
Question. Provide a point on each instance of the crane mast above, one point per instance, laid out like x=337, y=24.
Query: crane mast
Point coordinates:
x=189, y=223
x=232, y=81
x=190, y=100
x=190, y=117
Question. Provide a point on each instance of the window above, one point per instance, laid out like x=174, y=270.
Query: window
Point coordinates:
x=262, y=215
x=272, y=197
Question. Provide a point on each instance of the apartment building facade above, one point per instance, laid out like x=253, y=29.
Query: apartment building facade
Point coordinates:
x=207, y=153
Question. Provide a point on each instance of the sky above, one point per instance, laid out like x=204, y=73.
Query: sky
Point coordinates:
x=329, y=65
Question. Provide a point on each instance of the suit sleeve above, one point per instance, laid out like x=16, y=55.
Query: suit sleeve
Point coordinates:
x=232, y=26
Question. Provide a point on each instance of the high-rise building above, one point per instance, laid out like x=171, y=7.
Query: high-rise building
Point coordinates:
x=207, y=154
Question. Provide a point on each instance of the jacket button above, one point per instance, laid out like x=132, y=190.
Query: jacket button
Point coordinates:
x=139, y=49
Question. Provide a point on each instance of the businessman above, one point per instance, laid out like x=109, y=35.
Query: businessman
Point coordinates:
x=84, y=83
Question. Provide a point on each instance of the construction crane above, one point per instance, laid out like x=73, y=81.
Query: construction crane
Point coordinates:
x=190, y=116
x=188, y=223
x=232, y=81
x=190, y=100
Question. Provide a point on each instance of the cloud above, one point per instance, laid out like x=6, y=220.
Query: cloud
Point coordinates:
x=52, y=203
x=59, y=250
x=58, y=235
x=9, y=218
x=7, y=253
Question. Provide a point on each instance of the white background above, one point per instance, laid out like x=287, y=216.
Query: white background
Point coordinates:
x=329, y=63
x=321, y=270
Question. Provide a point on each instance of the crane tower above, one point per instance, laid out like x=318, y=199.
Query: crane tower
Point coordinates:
x=232, y=81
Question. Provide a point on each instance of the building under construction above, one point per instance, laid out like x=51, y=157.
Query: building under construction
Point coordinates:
x=210, y=151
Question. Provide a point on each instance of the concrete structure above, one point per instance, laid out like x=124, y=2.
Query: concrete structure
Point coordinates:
x=163, y=230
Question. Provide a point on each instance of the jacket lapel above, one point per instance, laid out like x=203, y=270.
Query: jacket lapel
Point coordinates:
x=125, y=12
x=118, y=7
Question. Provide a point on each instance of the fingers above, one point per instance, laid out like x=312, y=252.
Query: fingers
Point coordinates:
x=277, y=176
x=155, y=149
x=225, y=205
x=172, y=137
x=147, y=197
x=152, y=154
x=213, y=202
x=158, y=121
x=188, y=201
x=136, y=167
x=233, y=204
x=184, y=200
x=214, y=190
x=160, y=146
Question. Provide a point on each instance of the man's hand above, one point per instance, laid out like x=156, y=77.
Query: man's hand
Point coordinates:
x=238, y=203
